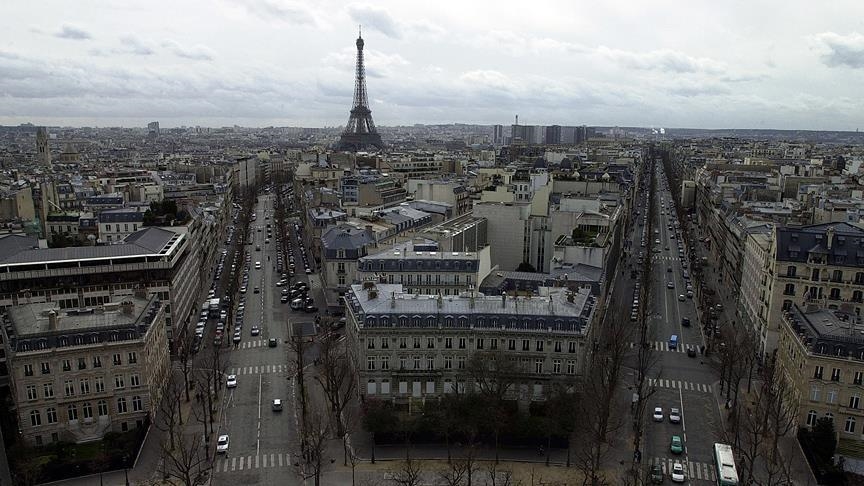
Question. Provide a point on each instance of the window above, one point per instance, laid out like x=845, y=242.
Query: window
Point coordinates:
x=51, y=415
x=835, y=374
x=854, y=400
x=87, y=410
x=430, y=343
x=341, y=280
x=102, y=408
x=385, y=343
x=835, y=294
x=460, y=362
x=832, y=396
x=556, y=366
x=133, y=357
x=818, y=372
x=493, y=343
x=479, y=343
x=416, y=343
x=116, y=359
x=82, y=363
x=430, y=363
x=538, y=366
x=811, y=418
x=403, y=342
x=448, y=362
x=571, y=366
x=35, y=418
x=67, y=365
x=859, y=377
x=68, y=388
x=46, y=368
x=370, y=362
x=511, y=345
x=558, y=346
x=97, y=361
x=121, y=405
x=99, y=383
x=850, y=425
x=791, y=270
x=134, y=380
x=539, y=345
x=72, y=412
x=461, y=343
x=814, y=393
x=857, y=296
x=385, y=362
x=137, y=405
x=28, y=370
x=48, y=390
x=403, y=362
x=416, y=362
x=571, y=346
x=837, y=276
x=31, y=392
x=448, y=342
x=118, y=381
x=370, y=343
x=789, y=289
x=84, y=385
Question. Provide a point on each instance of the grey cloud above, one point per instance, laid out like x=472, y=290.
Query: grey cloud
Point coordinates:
x=286, y=11
x=662, y=60
x=133, y=45
x=195, y=53
x=842, y=50
x=71, y=32
x=375, y=18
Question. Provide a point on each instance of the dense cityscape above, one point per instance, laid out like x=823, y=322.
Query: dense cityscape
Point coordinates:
x=429, y=304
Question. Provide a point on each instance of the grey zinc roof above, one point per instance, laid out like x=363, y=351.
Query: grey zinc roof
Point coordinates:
x=345, y=237
x=148, y=241
x=791, y=240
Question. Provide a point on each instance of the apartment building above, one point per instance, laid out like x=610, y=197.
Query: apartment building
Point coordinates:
x=77, y=374
x=163, y=262
x=342, y=245
x=410, y=347
x=422, y=271
x=755, y=292
x=116, y=224
x=821, y=265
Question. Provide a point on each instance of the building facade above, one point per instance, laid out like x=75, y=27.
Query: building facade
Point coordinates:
x=77, y=374
x=413, y=347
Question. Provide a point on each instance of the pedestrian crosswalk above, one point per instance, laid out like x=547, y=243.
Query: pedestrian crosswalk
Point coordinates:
x=246, y=462
x=694, y=470
x=664, y=346
x=251, y=344
x=260, y=369
x=678, y=384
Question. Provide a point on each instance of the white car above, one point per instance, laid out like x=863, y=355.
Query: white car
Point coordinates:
x=231, y=382
x=674, y=416
x=222, y=444
x=678, y=473
x=658, y=414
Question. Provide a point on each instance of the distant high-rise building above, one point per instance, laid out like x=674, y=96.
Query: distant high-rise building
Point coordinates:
x=360, y=132
x=153, y=128
x=553, y=135
x=497, y=134
x=43, y=151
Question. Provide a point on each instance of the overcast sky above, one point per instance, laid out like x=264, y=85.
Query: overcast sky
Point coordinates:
x=706, y=64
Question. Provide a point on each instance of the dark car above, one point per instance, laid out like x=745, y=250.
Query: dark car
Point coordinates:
x=310, y=309
x=272, y=342
x=656, y=474
x=691, y=351
x=685, y=321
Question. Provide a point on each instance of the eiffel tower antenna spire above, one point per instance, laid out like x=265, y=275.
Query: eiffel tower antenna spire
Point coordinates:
x=360, y=132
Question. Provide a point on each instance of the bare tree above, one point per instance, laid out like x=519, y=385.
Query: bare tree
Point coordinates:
x=184, y=462
x=336, y=378
x=408, y=474
x=495, y=375
x=500, y=477
x=170, y=412
x=314, y=439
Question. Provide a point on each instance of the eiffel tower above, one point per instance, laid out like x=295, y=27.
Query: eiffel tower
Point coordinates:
x=360, y=132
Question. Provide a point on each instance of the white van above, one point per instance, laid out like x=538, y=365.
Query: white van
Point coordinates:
x=297, y=304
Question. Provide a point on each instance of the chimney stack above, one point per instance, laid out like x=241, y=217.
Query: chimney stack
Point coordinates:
x=830, y=236
x=503, y=300
x=52, y=320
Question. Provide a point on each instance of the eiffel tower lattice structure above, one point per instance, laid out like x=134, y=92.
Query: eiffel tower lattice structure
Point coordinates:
x=360, y=132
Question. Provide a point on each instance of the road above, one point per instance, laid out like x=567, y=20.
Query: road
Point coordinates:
x=678, y=380
x=263, y=442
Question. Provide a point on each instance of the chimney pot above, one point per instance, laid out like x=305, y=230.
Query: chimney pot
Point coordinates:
x=52, y=320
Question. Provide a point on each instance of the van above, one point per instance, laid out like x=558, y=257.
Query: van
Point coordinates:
x=673, y=342
x=297, y=304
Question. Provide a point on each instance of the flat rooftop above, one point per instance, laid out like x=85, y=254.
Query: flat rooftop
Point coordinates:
x=32, y=320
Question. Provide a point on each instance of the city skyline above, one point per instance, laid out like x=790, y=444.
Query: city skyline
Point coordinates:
x=264, y=63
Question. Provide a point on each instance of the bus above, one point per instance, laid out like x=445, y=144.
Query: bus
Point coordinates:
x=724, y=465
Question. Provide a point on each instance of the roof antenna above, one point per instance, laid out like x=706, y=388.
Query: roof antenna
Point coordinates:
x=360, y=31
